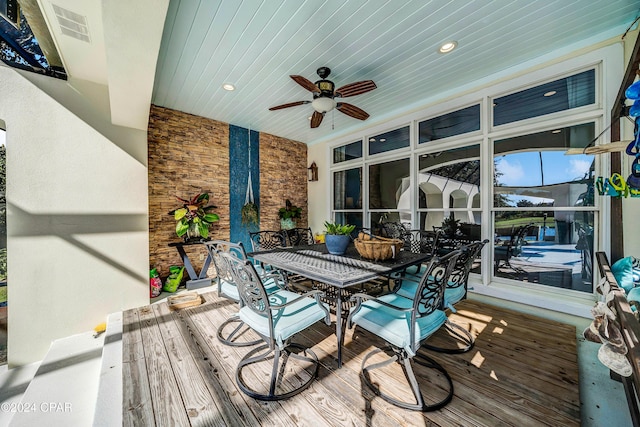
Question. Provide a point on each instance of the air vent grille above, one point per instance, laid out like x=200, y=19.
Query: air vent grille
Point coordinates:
x=72, y=24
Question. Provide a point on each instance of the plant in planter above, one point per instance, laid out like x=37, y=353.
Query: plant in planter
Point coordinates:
x=288, y=215
x=337, y=237
x=250, y=214
x=450, y=226
x=194, y=217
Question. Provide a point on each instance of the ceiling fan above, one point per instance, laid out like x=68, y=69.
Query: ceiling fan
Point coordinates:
x=324, y=96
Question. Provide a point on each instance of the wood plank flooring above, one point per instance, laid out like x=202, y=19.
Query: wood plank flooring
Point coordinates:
x=522, y=371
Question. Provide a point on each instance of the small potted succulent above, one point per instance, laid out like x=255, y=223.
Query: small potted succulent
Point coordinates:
x=194, y=217
x=337, y=237
x=288, y=215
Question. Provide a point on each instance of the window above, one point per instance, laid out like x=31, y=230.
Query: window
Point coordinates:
x=499, y=175
x=451, y=124
x=347, y=152
x=571, y=92
x=537, y=186
x=449, y=194
x=398, y=138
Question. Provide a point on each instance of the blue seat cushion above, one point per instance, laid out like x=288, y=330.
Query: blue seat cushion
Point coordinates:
x=393, y=325
x=453, y=295
x=287, y=321
x=623, y=272
x=230, y=290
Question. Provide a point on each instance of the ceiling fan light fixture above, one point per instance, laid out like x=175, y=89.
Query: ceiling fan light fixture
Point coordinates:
x=323, y=104
x=448, y=46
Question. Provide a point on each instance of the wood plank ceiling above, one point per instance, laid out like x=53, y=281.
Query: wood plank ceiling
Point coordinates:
x=256, y=45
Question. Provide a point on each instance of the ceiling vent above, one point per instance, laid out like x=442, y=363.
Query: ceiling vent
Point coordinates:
x=72, y=24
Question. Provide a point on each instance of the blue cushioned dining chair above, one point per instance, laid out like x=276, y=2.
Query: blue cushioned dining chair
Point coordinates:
x=227, y=288
x=405, y=324
x=276, y=317
x=456, y=291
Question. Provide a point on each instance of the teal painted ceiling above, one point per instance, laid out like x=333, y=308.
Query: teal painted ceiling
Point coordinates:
x=256, y=45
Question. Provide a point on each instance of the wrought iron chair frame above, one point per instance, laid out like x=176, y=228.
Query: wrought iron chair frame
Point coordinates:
x=427, y=301
x=256, y=299
x=224, y=274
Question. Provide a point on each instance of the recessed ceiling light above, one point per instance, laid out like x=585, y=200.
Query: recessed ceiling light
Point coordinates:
x=550, y=93
x=448, y=47
x=228, y=86
x=556, y=131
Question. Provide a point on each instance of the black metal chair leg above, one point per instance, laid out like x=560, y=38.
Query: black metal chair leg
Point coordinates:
x=460, y=334
x=277, y=370
x=230, y=339
x=403, y=359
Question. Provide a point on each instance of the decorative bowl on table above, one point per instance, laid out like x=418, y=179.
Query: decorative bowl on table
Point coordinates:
x=377, y=248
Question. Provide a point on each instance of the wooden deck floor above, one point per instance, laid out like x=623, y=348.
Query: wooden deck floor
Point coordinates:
x=522, y=371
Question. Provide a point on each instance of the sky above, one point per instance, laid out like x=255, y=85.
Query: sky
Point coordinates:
x=523, y=169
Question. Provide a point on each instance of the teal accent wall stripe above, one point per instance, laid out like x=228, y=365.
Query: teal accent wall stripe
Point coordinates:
x=238, y=180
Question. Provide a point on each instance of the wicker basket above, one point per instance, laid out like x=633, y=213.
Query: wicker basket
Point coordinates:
x=377, y=248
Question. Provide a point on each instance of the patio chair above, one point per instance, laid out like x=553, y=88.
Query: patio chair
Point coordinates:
x=456, y=291
x=512, y=248
x=227, y=288
x=267, y=240
x=405, y=324
x=299, y=236
x=276, y=317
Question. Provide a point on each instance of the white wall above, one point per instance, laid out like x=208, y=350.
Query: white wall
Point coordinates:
x=319, y=191
x=77, y=220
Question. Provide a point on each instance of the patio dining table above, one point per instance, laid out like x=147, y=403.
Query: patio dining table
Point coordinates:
x=339, y=271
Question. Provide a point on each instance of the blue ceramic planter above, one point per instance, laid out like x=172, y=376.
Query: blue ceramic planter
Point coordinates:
x=336, y=243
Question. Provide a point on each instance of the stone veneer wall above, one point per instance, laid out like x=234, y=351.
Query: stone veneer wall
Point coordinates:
x=189, y=154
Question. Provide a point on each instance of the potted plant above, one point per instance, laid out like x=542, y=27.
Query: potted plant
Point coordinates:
x=337, y=237
x=250, y=214
x=288, y=215
x=194, y=217
x=450, y=226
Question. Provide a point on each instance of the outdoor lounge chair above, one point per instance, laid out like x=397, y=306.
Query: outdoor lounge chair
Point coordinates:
x=405, y=324
x=276, y=317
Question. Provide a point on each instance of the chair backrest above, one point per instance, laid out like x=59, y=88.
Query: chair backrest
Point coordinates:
x=250, y=286
x=460, y=273
x=223, y=270
x=518, y=238
x=299, y=236
x=423, y=241
x=267, y=240
x=430, y=293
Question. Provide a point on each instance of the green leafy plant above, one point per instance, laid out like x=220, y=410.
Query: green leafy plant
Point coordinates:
x=289, y=211
x=194, y=213
x=250, y=214
x=450, y=226
x=340, y=229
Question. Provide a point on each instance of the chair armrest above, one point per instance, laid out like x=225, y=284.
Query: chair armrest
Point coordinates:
x=314, y=293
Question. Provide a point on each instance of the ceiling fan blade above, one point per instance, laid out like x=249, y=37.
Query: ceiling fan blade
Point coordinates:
x=356, y=88
x=352, y=110
x=291, y=104
x=316, y=119
x=305, y=83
